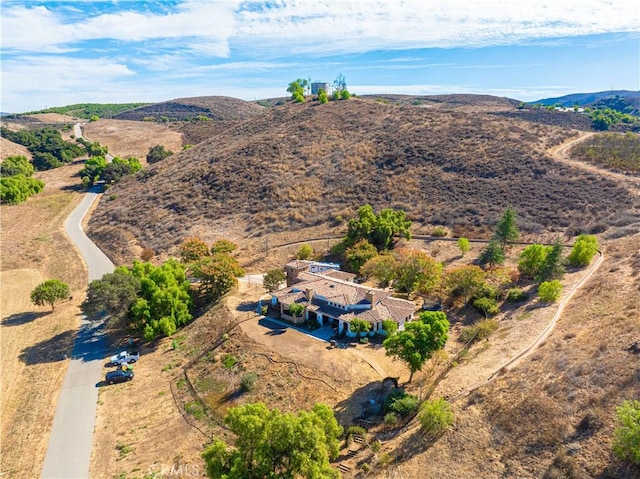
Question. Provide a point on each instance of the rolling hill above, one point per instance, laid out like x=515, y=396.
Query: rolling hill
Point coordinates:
x=213, y=107
x=303, y=166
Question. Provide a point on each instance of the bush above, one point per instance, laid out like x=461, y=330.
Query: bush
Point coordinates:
x=486, y=305
x=435, y=416
x=248, y=382
x=626, y=437
x=355, y=430
x=584, y=248
x=439, y=232
x=364, y=340
x=400, y=403
x=390, y=419
x=16, y=189
x=304, y=252
x=549, y=291
x=516, y=295
x=229, y=361
x=479, y=331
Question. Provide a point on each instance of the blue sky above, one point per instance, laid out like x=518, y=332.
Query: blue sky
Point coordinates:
x=62, y=52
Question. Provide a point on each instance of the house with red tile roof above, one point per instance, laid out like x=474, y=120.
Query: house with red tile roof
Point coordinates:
x=332, y=299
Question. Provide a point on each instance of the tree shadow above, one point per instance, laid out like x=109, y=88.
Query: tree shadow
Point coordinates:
x=247, y=306
x=19, y=319
x=364, y=405
x=86, y=344
x=51, y=350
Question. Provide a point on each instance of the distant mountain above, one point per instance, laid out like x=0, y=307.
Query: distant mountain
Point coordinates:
x=587, y=99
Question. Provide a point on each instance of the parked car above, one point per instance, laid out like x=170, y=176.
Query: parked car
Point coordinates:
x=124, y=357
x=119, y=376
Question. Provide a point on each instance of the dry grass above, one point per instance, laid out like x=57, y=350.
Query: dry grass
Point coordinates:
x=9, y=148
x=132, y=138
x=34, y=340
x=278, y=173
x=553, y=415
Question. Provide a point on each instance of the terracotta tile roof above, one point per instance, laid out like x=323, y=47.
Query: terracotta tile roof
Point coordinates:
x=347, y=294
x=343, y=275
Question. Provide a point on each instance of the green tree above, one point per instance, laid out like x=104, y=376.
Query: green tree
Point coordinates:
x=50, y=292
x=626, y=437
x=112, y=294
x=390, y=326
x=506, y=231
x=273, y=279
x=466, y=280
x=416, y=271
x=380, y=230
x=304, y=252
x=157, y=153
x=435, y=416
x=164, y=302
x=381, y=267
x=322, y=96
x=193, y=249
x=16, y=165
x=16, y=189
x=549, y=291
x=492, y=255
x=297, y=88
x=583, y=251
x=359, y=326
x=419, y=340
x=274, y=444
x=532, y=260
x=93, y=169
x=487, y=305
x=223, y=246
x=553, y=265
x=464, y=245
x=358, y=254
x=296, y=309
x=218, y=273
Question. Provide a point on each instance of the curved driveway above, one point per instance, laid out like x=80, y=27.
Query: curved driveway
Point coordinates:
x=70, y=443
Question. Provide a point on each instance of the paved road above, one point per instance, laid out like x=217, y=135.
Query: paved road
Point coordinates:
x=71, y=437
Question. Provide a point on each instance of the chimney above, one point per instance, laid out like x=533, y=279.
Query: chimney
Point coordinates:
x=309, y=294
x=371, y=298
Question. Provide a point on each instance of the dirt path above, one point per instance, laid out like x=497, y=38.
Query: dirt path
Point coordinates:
x=562, y=153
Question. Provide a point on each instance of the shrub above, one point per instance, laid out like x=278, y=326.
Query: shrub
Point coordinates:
x=15, y=189
x=549, y=291
x=400, y=402
x=584, y=248
x=390, y=419
x=248, y=382
x=439, y=232
x=364, y=340
x=229, y=361
x=516, y=295
x=435, y=416
x=626, y=437
x=486, y=305
x=147, y=253
x=304, y=252
x=479, y=331
x=355, y=430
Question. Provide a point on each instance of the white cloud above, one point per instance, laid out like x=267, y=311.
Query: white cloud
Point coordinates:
x=45, y=29
x=359, y=26
x=281, y=27
x=33, y=82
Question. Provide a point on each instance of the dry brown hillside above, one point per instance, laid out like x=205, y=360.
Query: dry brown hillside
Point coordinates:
x=303, y=165
x=219, y=108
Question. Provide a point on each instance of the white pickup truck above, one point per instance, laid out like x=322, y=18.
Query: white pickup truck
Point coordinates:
x=125, y=357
